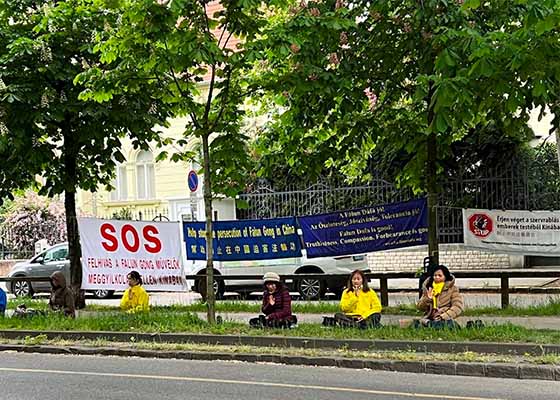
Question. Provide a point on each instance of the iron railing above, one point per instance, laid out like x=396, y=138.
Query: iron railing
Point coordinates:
x=513, y=187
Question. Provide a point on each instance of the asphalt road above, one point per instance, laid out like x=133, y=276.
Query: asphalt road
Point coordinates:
x=40, y=376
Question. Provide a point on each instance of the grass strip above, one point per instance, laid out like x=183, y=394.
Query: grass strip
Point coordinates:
x=165, y=321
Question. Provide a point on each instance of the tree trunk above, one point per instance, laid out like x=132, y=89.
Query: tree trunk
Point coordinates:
x=431, y=169
x=210, y=296
x=557, y=134
x=431, y=183
x=74, y=249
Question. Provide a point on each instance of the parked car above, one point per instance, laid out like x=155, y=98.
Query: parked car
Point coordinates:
x=55, y=258
x=311, y=289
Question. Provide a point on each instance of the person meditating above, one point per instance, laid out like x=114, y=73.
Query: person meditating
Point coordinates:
x=441, y=301
x=135, y=298
x=360, y=305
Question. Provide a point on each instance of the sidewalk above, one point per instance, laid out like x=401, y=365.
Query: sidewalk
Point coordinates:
x=527, y=322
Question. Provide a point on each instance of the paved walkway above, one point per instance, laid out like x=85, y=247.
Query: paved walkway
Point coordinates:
x=528, y=322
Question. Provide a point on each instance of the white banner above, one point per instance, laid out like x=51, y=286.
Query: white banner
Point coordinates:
x=111, y=249
x=518, y=232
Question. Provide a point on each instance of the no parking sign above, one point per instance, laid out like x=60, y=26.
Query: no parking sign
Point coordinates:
x=192, y=181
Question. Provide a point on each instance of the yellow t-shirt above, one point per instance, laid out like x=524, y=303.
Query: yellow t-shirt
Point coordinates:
x=138, y=301
x=363, y=305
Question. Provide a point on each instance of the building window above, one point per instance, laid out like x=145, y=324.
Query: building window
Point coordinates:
x=120, y=184
x=145, y=177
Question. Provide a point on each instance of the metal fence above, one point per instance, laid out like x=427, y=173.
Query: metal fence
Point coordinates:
x=517, y=186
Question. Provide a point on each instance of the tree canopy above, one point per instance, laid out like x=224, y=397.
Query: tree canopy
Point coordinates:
x=347, y=78
x=198, y=53
x=48, y=126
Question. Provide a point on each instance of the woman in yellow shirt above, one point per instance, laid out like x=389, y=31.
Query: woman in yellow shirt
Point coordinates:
x=359, y=304
x=135, y=298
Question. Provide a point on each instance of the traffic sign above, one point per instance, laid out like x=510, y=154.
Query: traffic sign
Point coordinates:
x=192, y=181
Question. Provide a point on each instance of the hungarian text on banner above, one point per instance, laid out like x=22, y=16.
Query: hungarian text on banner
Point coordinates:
x=244, y=239
x=111, y=249
x=507, y=231
x=363, y=230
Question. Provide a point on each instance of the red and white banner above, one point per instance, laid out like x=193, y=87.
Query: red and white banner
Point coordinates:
x=518, y=232
x=111, y=249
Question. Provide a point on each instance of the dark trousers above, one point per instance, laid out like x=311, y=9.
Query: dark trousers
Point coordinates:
x=262, y=322
x=346, y=321
x=440, y=324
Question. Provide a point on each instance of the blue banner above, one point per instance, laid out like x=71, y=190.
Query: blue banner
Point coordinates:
x=364, y=230
x=244, y=239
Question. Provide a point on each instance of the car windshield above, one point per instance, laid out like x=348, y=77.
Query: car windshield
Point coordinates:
x=54, y=254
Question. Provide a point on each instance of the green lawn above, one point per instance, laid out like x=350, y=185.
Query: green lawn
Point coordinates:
x=159, y=321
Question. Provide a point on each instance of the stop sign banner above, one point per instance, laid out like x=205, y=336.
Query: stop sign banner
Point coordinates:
x=516, y=232
x=113, y=248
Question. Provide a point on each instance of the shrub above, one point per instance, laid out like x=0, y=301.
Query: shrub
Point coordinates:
x=30, y=218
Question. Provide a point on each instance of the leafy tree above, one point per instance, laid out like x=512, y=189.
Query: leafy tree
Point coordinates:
x=197, y=51
x=349, y=77
x=532, y=53
x=46, y=128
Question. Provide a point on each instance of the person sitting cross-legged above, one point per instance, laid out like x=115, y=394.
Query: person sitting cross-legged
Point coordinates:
x=276, y=305
x=441, y=301
x=135, y=298
x=360, y=305
x=62, y=298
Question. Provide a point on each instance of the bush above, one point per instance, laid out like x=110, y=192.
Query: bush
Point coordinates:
x=30, y=218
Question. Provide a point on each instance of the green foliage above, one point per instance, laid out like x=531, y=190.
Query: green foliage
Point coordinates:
x=123, y=213
x=344, y=80
x=47, y=127
x=30, y=218
x=196, y=60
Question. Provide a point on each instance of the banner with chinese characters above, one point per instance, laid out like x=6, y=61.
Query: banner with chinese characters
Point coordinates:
x=111, y=249
x=519, y=232
x=244, y=239
x=364, y=230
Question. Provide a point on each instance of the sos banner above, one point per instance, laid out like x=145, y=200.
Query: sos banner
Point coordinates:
x=364, y=230
x=519, y=232
x=244, y=239
x=111, y=249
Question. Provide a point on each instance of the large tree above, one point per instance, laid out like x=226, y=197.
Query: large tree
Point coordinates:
x=46, y=128
x=198, y=51
x=413, y=76
x=533, y=53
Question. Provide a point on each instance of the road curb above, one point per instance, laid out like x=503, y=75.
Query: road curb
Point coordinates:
x=300, y=342
x=491, y=370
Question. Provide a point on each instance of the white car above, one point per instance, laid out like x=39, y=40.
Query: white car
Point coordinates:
x=308, y=288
